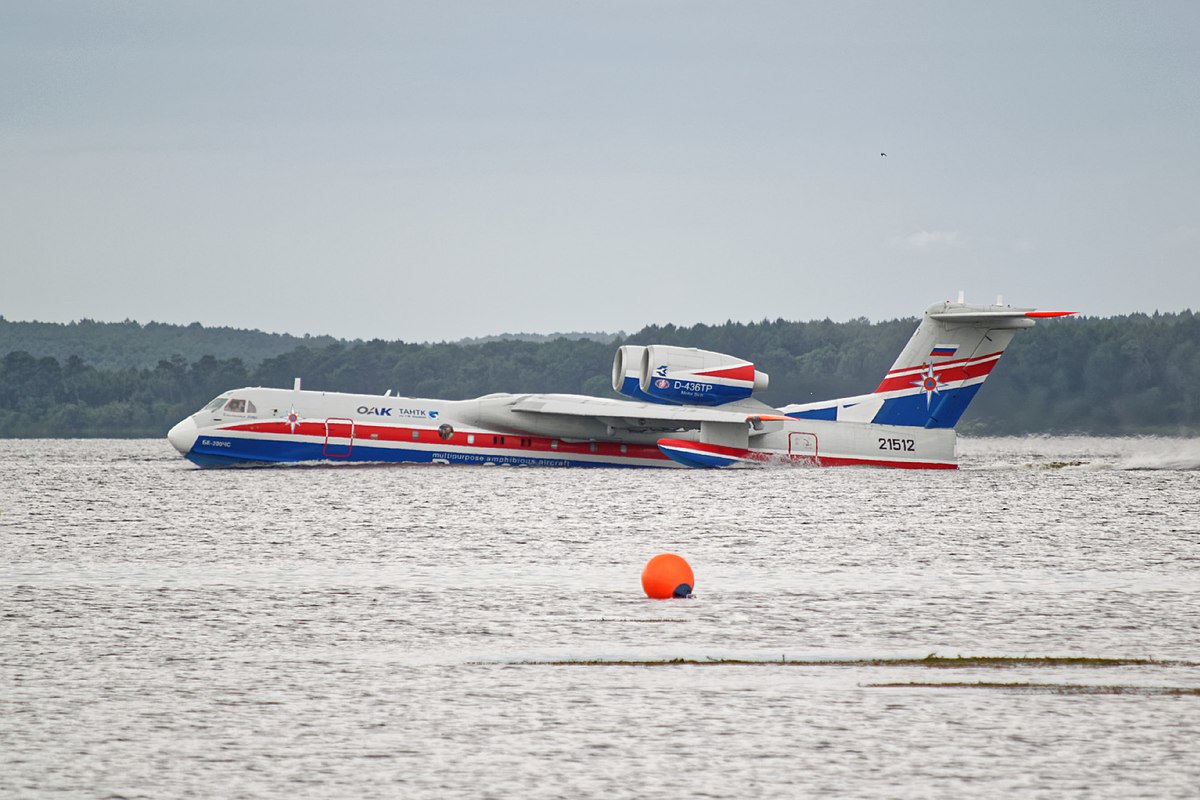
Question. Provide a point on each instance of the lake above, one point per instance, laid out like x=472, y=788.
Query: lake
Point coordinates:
x=416, y=631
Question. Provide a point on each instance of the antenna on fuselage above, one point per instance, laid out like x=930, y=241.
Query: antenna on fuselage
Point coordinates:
x=296, y=385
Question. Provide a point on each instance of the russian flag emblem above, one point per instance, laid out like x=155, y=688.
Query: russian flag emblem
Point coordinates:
x=944, y=350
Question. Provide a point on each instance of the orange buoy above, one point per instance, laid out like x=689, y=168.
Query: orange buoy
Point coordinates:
x=667, y=575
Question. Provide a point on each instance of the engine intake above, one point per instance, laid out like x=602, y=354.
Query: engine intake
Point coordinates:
x=627, y=374
x=684, y=375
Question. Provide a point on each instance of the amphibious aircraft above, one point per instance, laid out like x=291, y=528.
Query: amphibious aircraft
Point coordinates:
x=688, y=407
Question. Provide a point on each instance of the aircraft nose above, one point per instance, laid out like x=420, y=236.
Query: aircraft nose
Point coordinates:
x=183, y=436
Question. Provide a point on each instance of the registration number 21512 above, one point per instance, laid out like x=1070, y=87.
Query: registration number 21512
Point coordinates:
x=905, y=445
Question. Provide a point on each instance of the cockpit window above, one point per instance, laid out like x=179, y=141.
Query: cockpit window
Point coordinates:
x=213, y=405
x=236, y=407
x=250, y=409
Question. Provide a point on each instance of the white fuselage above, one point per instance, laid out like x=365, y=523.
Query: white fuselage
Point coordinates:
x=263, y=425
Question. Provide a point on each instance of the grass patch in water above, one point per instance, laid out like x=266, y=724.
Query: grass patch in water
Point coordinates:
x=1048, y=688
x=931, y=661
x=629, y=619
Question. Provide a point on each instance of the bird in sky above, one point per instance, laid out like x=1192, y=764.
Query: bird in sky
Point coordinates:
x=883, y=154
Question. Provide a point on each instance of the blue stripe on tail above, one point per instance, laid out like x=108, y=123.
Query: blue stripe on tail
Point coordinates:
x=940, y=410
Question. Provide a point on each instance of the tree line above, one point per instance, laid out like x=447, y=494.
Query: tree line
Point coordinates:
x=1131, y=374
x=120, y=345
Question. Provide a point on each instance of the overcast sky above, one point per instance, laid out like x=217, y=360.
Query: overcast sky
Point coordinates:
x=435, y=170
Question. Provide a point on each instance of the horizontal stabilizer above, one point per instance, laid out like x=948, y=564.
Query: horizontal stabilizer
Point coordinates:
x=995, y=316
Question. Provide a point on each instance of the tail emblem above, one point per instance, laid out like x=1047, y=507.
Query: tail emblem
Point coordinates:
x=930, y=383
x=293, y=419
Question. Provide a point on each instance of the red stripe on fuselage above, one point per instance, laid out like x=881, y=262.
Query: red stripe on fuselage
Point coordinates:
x=367, y=434
x=835, y=461
x=768, y=456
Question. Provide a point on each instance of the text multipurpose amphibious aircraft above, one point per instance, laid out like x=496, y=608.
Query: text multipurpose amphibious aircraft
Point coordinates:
x=689, y=408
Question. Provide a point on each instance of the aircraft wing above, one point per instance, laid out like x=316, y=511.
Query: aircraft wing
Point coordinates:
x=637, y=414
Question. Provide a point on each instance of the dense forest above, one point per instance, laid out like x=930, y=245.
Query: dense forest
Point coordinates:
x=1133, y=374
x=122, y=345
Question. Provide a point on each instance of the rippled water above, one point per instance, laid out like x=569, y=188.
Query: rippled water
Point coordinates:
x=365, y=631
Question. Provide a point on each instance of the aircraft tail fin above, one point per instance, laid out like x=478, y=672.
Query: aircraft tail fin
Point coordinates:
x=948, y=358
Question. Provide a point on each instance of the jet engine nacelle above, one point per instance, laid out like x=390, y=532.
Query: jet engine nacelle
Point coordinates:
x=627, y=375
x=684, y=375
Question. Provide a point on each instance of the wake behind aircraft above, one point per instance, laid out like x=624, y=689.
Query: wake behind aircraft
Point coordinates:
x=688, y=407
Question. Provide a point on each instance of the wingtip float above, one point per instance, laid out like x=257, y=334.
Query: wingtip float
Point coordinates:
x=688, y=408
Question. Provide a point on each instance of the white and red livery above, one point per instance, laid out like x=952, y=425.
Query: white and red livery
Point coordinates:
x=690, y=408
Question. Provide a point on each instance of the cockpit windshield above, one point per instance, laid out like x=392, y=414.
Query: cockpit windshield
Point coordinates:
x=229, y=405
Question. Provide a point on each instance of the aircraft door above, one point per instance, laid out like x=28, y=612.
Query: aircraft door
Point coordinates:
x=339, y=437
x=802, y=446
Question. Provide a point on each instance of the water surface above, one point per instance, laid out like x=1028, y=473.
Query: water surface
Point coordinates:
x=363, y=631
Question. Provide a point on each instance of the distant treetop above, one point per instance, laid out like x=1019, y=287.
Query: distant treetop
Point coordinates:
x=131, y=345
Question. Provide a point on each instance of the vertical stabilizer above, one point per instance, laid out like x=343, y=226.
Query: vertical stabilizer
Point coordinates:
x=948, y=358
